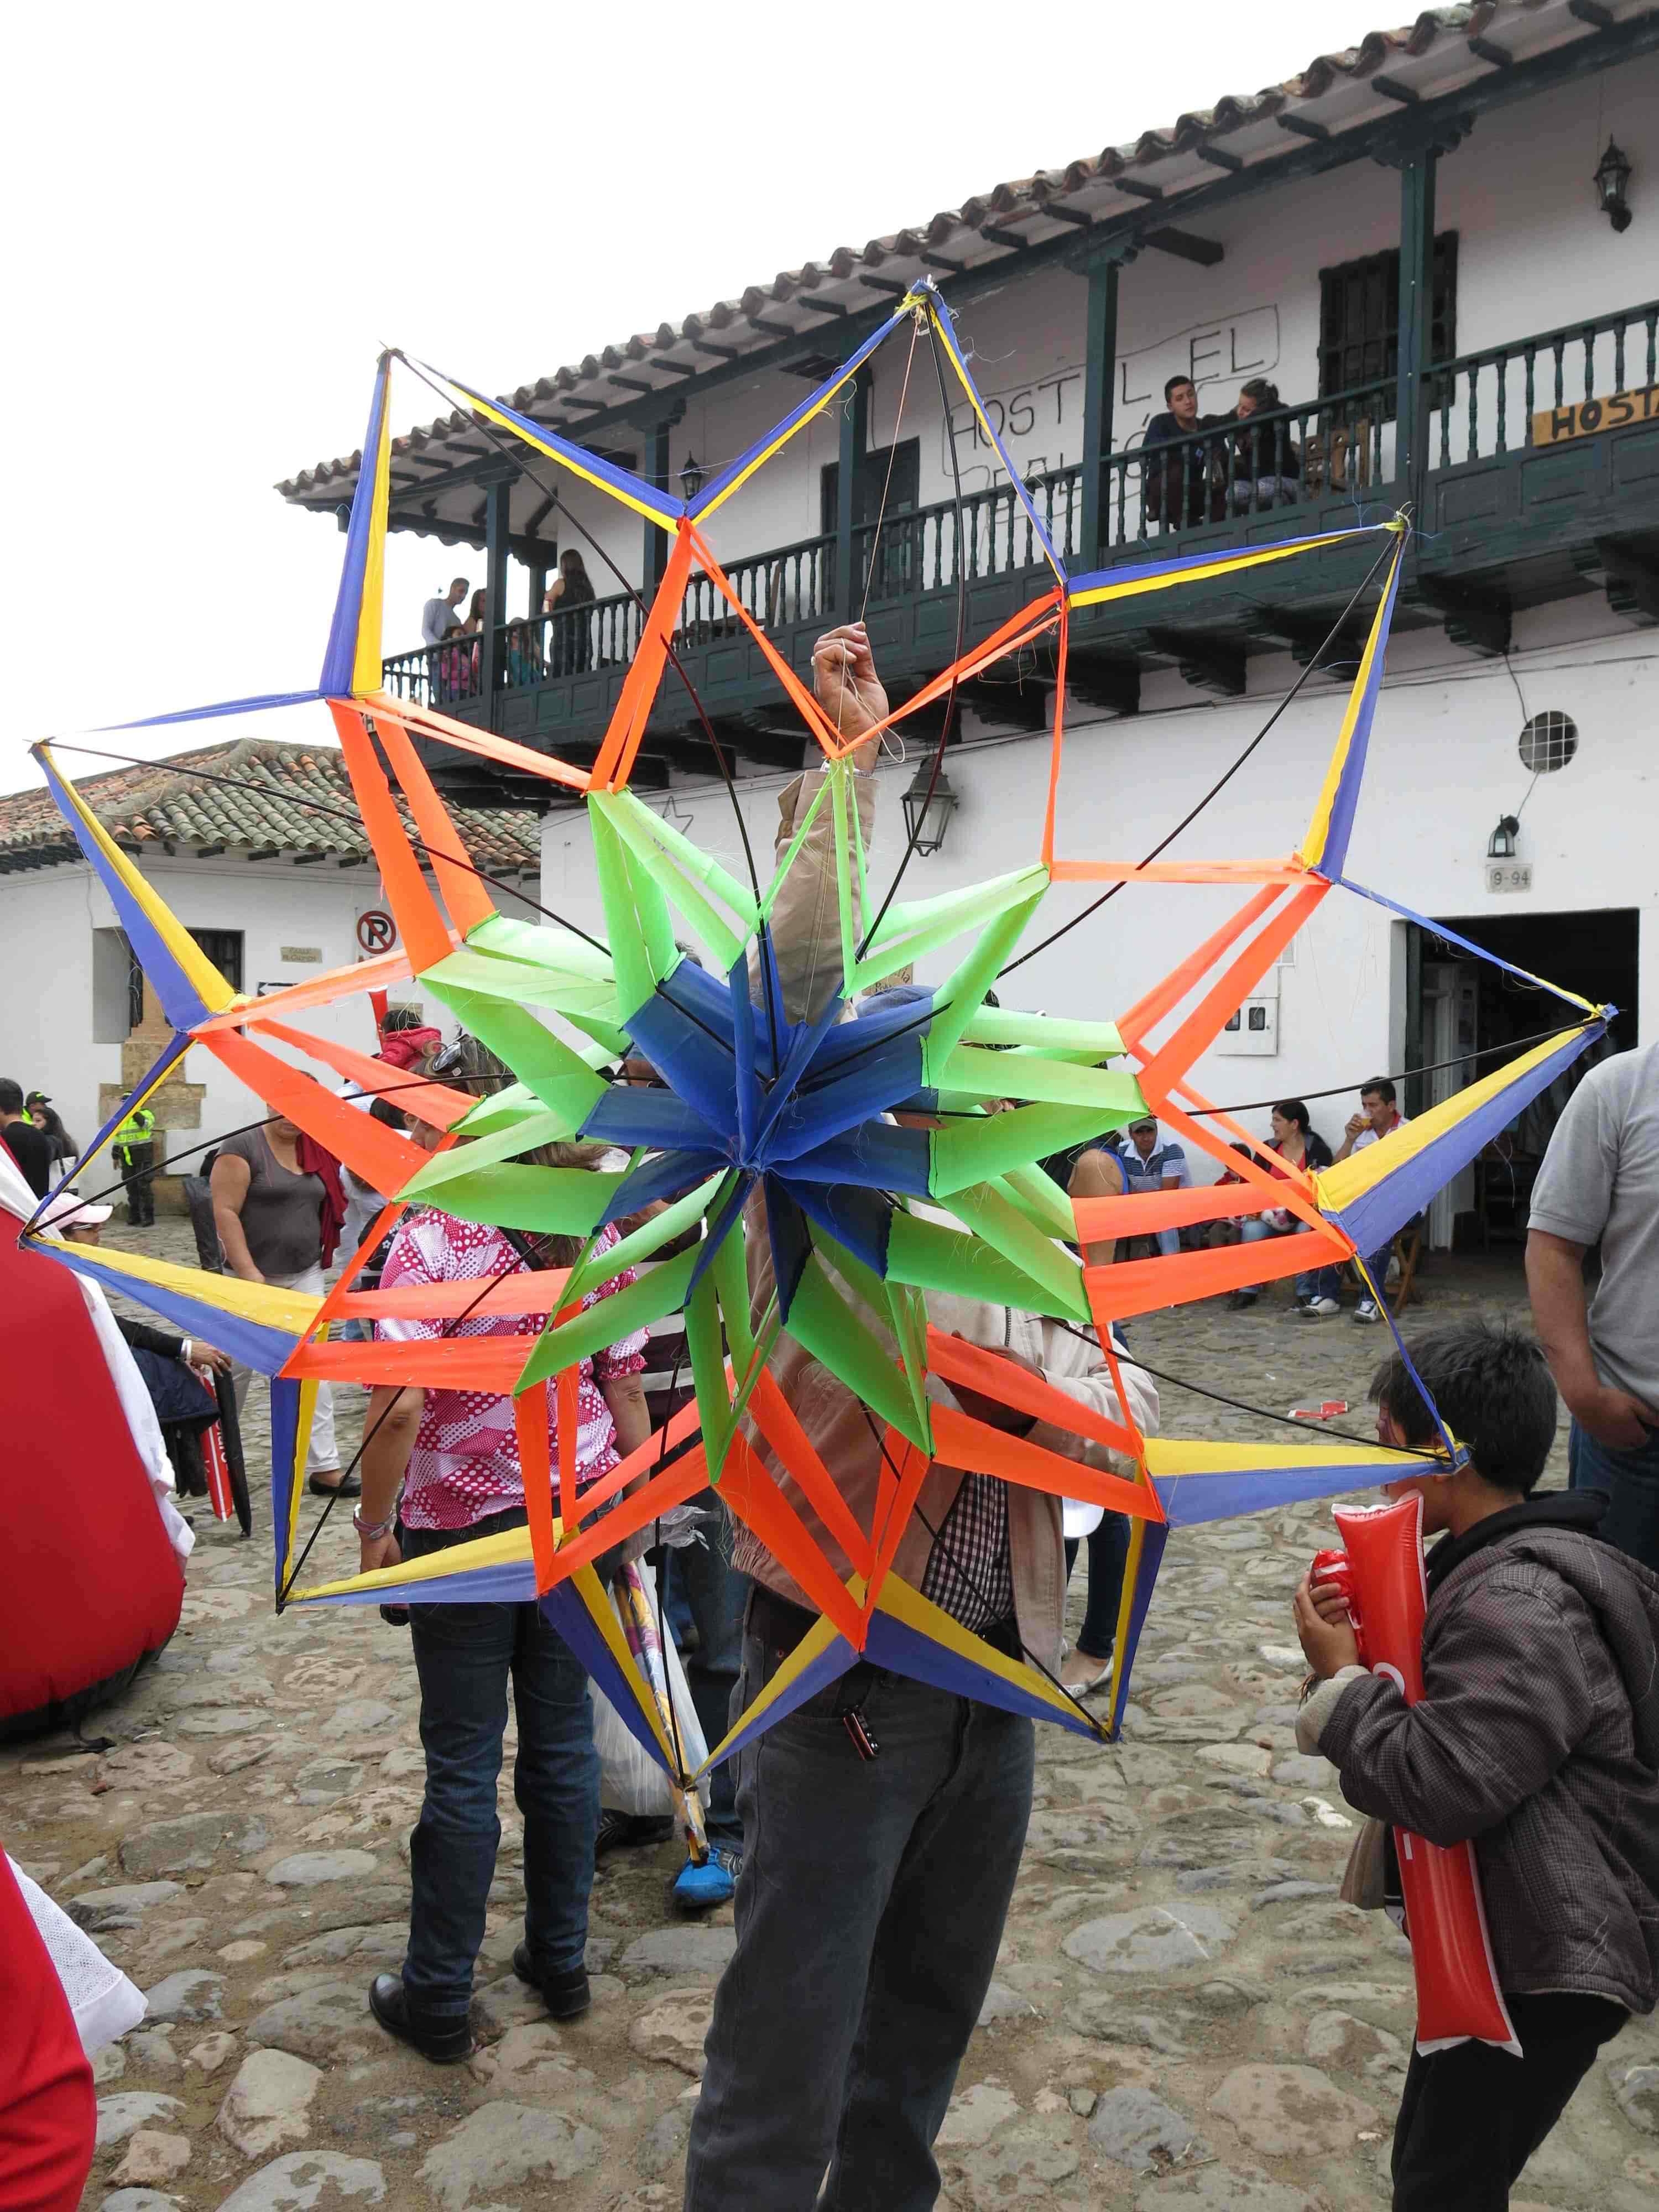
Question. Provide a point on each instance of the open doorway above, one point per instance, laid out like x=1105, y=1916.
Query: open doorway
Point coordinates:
x=1464, y=1017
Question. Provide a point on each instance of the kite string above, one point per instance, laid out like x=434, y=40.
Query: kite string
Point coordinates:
x=959, y=547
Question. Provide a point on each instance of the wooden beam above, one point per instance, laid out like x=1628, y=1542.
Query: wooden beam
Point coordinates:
x=1185, y=246
x=264, y=853
x=1477, y=620
x=673, y=367
x=1484, y=49
x=632, y=383
x=1067, y=214
x=884, y=284
x=1135, y=189
x=1391, y=88
x=1218, y=157
x=1207, y=662
x=1104, y=680
x=1593, y=13
x=720, y=353
x=999, y=234
x=774, y=330
x=209, y=851
x=1304, y=127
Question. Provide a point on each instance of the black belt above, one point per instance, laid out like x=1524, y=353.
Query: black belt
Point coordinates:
x=781, y=1626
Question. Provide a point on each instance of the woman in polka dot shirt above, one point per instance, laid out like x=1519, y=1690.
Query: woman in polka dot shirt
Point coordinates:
x=455, y=1453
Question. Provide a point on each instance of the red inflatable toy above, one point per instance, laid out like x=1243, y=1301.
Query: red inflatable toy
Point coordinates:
x=1458, y=1999
x=89, y=1582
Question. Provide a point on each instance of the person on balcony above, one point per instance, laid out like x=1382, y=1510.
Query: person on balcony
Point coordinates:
x=438, y=616
x=1174, y=486
x=1266, y=463
x=571, y=646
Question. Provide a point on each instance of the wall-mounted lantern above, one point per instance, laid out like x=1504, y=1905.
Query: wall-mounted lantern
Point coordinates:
x=928, y=813
x=1500, y=846
x=1612, y=184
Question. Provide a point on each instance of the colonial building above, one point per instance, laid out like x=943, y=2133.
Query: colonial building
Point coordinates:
x=1438, y=249
x=271, y=871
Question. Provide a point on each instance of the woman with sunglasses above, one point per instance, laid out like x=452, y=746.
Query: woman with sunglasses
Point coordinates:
x=454, y=1455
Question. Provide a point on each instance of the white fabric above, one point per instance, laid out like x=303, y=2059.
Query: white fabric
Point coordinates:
x=16, y=1197
x=322, y=1456
x=104, y=2001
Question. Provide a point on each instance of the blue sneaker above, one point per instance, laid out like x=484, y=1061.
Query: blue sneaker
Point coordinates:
x=699, y=1888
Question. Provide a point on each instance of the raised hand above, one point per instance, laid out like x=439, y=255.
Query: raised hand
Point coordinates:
x=844, y=676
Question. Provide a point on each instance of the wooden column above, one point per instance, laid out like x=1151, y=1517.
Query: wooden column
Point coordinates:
x=1417, y=180
x=497, y=494
x=854, y=419
x=1099, y=383
x=656, y=472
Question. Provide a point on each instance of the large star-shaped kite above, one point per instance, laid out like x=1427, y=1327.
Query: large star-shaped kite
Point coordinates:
x=774, y=1121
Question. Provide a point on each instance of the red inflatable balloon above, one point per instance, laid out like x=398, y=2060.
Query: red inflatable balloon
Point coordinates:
x=1458, y=2000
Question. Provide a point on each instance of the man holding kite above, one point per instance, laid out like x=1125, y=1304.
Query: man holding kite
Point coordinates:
x=884, y=1819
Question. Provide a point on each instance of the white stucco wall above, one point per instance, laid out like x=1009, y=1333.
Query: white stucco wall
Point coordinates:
x=1443, y=765
x=47, y=918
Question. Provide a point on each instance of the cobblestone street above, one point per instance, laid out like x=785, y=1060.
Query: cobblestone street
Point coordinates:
x=1184, y=2012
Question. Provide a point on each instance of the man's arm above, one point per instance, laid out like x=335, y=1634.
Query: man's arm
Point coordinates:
x=1560, y=1313
x=1506, y=1700
x=805, y=921
x=230, y=1184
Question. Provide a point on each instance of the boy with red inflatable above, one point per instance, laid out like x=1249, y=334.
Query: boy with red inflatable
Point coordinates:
x=1530, y=1726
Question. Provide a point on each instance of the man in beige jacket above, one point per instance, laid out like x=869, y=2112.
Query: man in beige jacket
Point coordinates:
x=884, y=1819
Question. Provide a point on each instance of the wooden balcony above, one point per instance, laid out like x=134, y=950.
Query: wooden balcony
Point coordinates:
x=1520, y=497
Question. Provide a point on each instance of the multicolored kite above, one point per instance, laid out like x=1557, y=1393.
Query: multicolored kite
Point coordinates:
x=776, y=1123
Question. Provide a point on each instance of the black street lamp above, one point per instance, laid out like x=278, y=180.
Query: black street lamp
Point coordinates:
x=1612, y=183
x=692, y=475
x=1500, y=846
x=928, y=812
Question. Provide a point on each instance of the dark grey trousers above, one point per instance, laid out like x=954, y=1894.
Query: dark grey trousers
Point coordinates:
x=869, y=1913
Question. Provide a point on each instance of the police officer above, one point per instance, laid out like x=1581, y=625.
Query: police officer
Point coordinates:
x=135, y=1155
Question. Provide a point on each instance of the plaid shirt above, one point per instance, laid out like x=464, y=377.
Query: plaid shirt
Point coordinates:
x=970, y=1569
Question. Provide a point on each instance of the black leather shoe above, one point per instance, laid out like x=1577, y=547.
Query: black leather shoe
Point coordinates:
x=564, y=1995
x=443, y=2041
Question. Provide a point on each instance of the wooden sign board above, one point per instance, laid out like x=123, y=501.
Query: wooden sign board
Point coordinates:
x=1550, y=426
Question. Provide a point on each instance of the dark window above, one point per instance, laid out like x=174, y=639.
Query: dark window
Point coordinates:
x=223, y=947
x=902, y=494
x=1359, y=318
x=135, y=984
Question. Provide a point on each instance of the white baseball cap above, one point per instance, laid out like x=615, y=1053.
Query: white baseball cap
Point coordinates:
x=69, y=1208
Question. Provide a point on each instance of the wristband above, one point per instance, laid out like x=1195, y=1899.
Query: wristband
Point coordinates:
x=372, y=1531
x=185, y=1349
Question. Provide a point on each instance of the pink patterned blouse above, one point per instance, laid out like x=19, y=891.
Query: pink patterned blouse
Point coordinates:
x=465, y=1465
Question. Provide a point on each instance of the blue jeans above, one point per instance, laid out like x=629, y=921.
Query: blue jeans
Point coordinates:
x=1109, y=1553
x=464, y=1655
x=1313, y=1282
x=869, y=1911
x=701, y=1577
x=1630, y=1480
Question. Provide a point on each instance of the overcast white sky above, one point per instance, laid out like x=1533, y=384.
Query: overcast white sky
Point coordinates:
x=217, y=214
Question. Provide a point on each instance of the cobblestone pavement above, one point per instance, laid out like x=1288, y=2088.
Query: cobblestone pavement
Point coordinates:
x=1184, y=2012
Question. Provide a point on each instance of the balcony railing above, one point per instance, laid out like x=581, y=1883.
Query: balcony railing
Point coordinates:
x=917, y=551
x=1344, y=443
x=1482, y=405
x=790, y=584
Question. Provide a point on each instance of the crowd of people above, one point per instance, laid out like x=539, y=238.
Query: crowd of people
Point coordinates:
x=872, y=1891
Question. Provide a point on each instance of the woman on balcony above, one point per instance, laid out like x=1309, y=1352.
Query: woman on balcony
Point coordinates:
x=1266, y=463
x=570, y=647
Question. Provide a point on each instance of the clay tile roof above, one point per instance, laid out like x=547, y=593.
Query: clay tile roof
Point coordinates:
x=162, y=804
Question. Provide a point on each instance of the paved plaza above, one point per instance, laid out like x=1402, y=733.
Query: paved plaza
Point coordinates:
x=1183, y=2013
